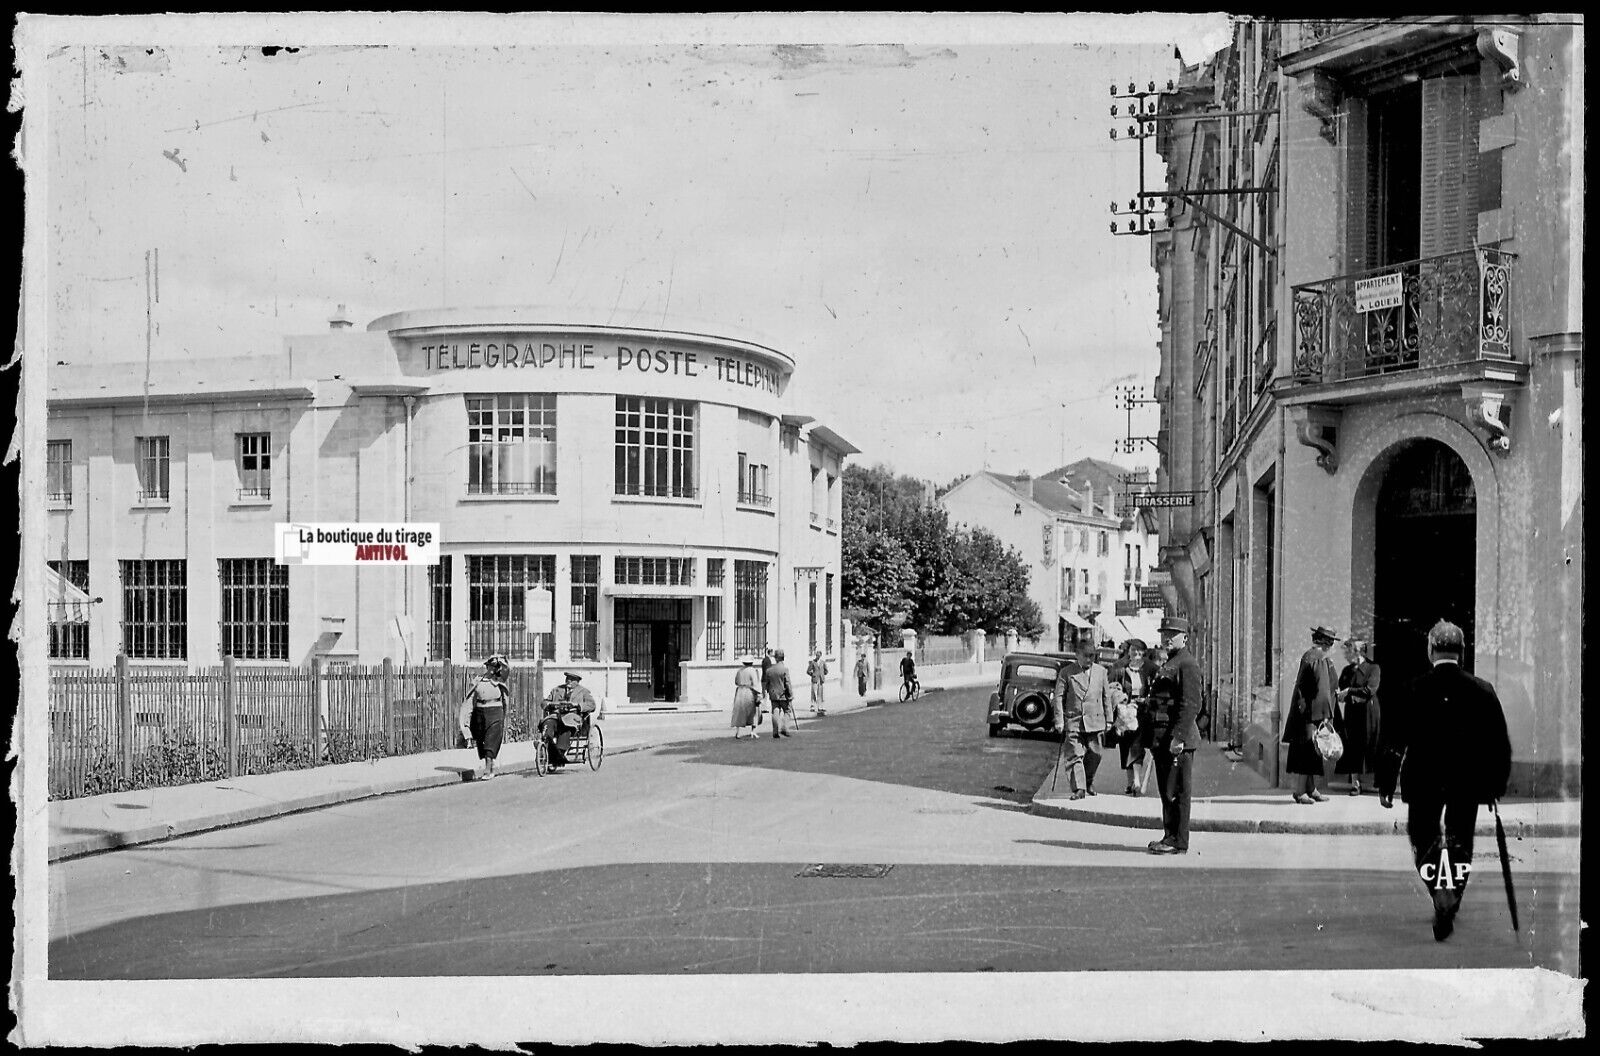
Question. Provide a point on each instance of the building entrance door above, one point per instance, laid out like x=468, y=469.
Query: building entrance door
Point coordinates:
x=1426, y=557
x=651, y=635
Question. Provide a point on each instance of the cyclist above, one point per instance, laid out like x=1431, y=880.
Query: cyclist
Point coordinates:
x=910, y=687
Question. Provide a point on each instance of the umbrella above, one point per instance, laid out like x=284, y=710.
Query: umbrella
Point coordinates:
x=1505, y=863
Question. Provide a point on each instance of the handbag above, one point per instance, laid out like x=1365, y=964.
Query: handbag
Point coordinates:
x=1327, y=742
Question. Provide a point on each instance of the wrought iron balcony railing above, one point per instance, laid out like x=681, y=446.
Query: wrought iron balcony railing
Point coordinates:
x=1453, y=309
x=754, y=498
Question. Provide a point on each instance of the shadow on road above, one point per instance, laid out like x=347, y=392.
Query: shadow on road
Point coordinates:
x=707, y=917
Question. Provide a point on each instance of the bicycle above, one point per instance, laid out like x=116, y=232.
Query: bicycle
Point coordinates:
x=910, y=690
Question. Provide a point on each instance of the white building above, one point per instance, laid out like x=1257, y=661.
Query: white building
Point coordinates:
x=1083, y=557
x=654, y=480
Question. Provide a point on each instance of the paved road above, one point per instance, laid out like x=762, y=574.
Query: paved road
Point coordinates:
x=692, y=858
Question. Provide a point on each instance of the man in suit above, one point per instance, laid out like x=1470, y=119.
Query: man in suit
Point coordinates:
x=566, y=710
x=1450, y=731
x=1085, y=703
x=1175, y=696
x=780, y=694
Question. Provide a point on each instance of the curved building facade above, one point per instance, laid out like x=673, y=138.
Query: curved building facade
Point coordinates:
x=654, y=481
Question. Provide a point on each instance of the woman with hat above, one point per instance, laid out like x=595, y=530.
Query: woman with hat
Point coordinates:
x=1311, y=706
x=483, y=712
x=1357, y=717
x=1130, y=679
x=745, y=697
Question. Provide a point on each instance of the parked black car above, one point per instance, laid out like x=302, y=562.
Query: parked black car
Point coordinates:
x=1026, y=695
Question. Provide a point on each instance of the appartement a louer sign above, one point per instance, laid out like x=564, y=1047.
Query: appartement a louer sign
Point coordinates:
x=1380, y=291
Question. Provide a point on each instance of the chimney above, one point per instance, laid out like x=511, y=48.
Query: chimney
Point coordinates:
x=1026, y=478
x=339, y=321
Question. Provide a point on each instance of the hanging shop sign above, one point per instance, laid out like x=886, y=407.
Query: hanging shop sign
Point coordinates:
x=1151, y=598
x=1378, y=292
x=1164, y=499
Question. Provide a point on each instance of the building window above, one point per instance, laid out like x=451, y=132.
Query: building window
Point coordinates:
x=585, y=617
x=1084, y=573
x=497, y=586
x=1138, y=564
x=655, y=571
x=753, y=482
x=439, y=583
x=511, y=444
x=155, y=467
x=69, y=619
x=828, y=512
x=1105, y=544
x=830, y=615
x=155, y=609
x=715, y=626
x=811, y=624
x=253, y=458
x=1068, y=582
x=1083, y=540
x=749, y=607
x=255, y=608
x=816, y=499
x=655, y=447
x=58, y=471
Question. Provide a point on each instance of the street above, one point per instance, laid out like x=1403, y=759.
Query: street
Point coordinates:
x=694, y=858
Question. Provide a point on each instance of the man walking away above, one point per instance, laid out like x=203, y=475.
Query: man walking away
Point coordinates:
x=861, y=674
x=1174, y=708
x=1450, y=731
x=780, y=694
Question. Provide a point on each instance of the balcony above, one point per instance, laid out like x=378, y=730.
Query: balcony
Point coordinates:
x=1452, y=311
x=754, y=498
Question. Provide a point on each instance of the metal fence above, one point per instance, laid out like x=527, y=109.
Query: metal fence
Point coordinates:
x=127, y=727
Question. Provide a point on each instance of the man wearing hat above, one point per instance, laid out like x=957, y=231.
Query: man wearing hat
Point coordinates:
x=566, y=709
x=1310, y=706
x=1175, y=695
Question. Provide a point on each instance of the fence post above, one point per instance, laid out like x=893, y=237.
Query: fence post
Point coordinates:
x=230, y=718
x=388, y=706
x=316, y=711
x=448, y=705
x=124, y=719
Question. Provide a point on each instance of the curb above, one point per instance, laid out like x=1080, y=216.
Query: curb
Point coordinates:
x=1515, y=829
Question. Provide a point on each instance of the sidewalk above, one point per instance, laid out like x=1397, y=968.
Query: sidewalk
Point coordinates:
x=1231, y=797
x=123, y=819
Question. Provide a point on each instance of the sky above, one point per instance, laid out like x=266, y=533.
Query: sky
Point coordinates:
x=921, y=222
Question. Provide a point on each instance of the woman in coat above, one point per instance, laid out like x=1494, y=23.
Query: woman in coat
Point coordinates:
x=1311, y=706
x=483, y=713
x=1358, y=716
x=1131, y=676
x=746, y=697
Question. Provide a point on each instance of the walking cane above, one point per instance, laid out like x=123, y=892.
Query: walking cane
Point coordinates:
x=1505, y=863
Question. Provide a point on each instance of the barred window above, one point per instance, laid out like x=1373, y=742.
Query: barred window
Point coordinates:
x=655, y=447
x=496, y=595
x=716, y=619
x=253, y=455
x=439, y=584
x=585, y=618
x=255, y=608
x=811, y=621
x=753, y=482
x=155, y=609
x=69, y=619
x=830, y=614
x=749, y=606
x=660, y=571
x=58, y=470
x=155, y=467
x=511, y=444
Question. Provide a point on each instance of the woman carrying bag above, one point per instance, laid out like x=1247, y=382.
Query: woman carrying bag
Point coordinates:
x=746, y=698
x=1310, y=708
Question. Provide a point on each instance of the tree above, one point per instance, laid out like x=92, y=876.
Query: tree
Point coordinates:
x=989, y=587
x=877, y=576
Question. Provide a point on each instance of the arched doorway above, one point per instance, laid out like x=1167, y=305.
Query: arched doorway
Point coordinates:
x=1425, y=556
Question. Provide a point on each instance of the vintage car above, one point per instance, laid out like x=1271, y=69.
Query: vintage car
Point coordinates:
x=1027, y=688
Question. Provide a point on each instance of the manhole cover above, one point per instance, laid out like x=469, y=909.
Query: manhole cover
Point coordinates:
x=860, y=872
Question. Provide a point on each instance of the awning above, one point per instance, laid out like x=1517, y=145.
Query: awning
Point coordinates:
x=658, y=590
x=1109, y=626
x=1143, y=628
x=65, y=602
x=1076, y=620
